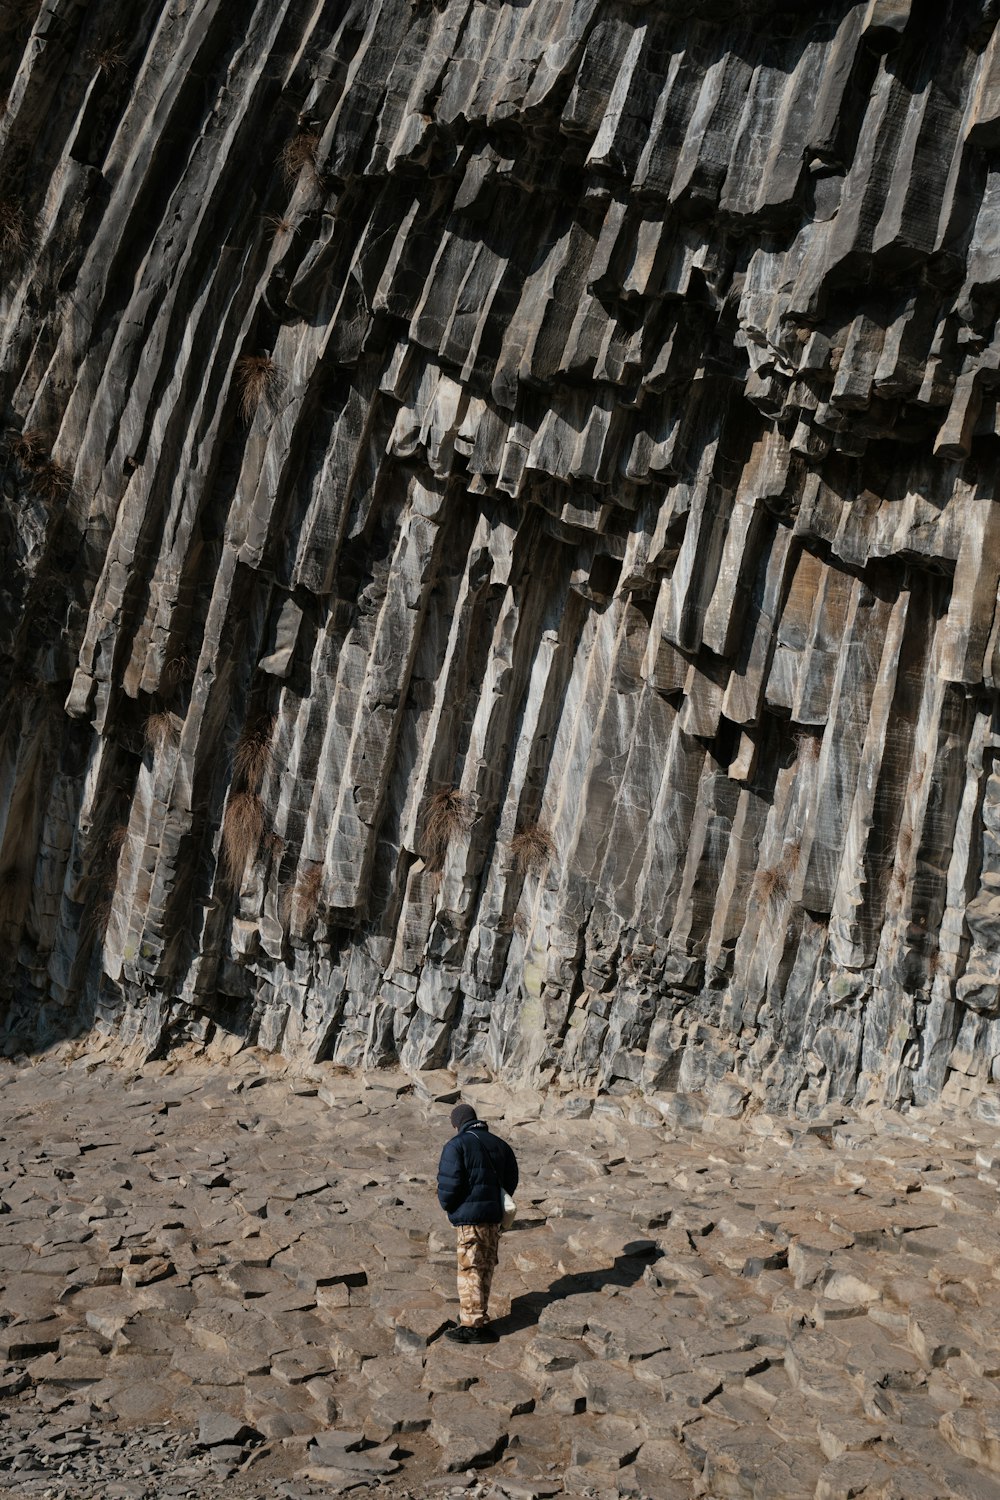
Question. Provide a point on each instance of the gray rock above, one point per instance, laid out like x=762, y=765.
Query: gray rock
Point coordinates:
x=468, y=1435
x=217, y=1429
x=609, y=1443
x=398, y=1412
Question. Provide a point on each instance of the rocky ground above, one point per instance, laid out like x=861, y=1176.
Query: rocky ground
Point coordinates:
x=234, y=1282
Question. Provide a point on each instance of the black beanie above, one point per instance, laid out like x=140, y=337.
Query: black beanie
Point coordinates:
x=462, y=1114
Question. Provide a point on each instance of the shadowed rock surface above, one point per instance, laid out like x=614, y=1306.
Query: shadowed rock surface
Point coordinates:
x=500, y=539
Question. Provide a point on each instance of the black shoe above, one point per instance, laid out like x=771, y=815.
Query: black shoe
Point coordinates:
x=462, y=1334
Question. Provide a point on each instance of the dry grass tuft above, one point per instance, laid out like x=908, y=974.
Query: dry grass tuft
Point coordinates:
x=30, y=449
x=531, y=847
x=53, y=481
x=306, y=894
x=300, y=153
x=773, y=881
x=160, y=730
x=279, y=224
x=48, y=478
x=178, y=669
x=94, y=923
x=242, y=830
x=116, y=839
x=256, y=380
x=109, y=59
x=254, y=755
x=808, y=745
x=16, y=232
x=448, y=813
x=791, y=854
x=771, y=884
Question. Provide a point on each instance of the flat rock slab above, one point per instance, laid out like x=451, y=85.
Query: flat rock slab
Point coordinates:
x=217, y=1428
x=399, y=1412
x=467, y=1434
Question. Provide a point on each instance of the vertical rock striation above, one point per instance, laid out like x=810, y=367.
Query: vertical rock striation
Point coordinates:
x=501, y=553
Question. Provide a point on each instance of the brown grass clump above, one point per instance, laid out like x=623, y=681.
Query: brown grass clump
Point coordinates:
x=15, y=232
x=448, y=812
x=242, y=830
x=48, y=478
x=254, y=754
x=30, y=449
x=300, y=153
x=116, y=839
x=305, y=895
x=160, y=730
x=772, y=882
x=808, y=745
x=109, y=59
x=279, y=224
x=177, y=670
x=94, y=923
x=531, y=847
x=53, y=481
x=256, y=379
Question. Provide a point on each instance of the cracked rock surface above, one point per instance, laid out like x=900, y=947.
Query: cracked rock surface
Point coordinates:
x=500, y=538
x=234, y=1282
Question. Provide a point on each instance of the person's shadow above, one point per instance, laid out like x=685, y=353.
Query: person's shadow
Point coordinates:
x=625, y=1270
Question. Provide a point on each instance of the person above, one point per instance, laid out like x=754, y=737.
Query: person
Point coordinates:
x=475, y=1170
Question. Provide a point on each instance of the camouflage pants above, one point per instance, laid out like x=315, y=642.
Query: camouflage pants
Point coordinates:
x=478, y=1253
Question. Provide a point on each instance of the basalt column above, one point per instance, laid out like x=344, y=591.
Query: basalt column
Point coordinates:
x=499, y=534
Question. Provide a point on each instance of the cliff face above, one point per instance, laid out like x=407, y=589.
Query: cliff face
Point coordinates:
x=500, y=546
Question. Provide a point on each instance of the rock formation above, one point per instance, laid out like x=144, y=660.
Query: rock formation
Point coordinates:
x=499, y=536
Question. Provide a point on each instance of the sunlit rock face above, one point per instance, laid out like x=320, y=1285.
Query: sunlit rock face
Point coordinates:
x=500, y=547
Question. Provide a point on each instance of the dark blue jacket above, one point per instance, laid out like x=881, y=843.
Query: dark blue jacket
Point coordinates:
x=475, y=1167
